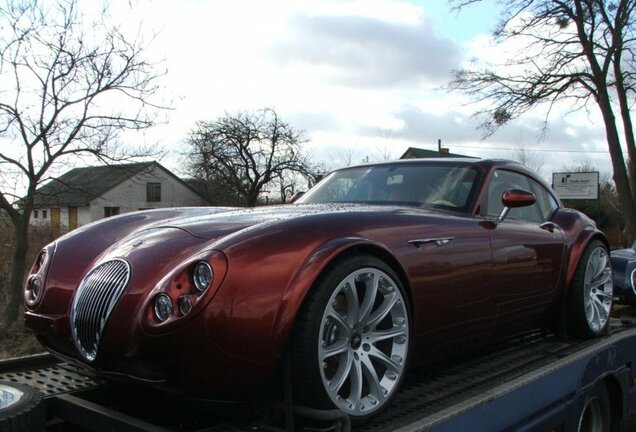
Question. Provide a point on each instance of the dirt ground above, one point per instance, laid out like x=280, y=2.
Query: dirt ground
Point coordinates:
x=16, y=341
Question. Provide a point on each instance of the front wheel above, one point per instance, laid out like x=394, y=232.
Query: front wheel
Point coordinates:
x=591, y=293
x=351, y=341
x=21, y=408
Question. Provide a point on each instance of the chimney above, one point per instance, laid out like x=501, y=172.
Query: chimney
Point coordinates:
x=443, y=151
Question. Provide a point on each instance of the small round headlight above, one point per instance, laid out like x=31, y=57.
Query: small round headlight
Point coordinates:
x=632, y=280
x=202, y=276
x=163, y=307
x=33, y=290
x=36, y=287
x=185, y=305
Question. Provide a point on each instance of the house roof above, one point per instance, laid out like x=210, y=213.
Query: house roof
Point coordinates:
x=79, y=186
x=418, y=153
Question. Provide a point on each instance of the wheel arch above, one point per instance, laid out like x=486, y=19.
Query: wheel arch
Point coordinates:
x=577, y=249
x=617, y=402
x=315, y=264
x=384, y=255
x=614, y=393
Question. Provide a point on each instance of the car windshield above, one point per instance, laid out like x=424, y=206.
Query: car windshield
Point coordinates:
x=448, y=186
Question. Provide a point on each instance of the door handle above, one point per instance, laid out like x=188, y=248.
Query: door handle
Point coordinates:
x=548, y=226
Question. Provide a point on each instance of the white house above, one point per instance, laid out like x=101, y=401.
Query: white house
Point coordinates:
x=83, y=195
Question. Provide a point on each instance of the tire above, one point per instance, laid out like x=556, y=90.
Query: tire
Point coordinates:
x=595, y=414
x=21, y=408
x=351, y=341
x=589, y=301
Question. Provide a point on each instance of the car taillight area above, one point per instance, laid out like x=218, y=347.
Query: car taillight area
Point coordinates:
x=185, y=291
x=34, y=285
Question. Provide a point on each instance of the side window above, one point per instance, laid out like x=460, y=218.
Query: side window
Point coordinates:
x=547, y=203
x=503, y=180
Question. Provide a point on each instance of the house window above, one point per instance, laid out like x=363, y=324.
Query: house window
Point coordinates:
x=111, y=211
x=153, y=192
x=35, y=214
x=44, y=215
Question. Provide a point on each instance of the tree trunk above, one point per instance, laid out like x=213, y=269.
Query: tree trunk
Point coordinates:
x=252, y=199
x=621, y=179
x=628, y=127
x=14, y=292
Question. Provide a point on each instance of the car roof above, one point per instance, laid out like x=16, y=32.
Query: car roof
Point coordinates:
x=485, y=163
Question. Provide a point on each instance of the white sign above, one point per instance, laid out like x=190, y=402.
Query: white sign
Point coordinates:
x=576, y=185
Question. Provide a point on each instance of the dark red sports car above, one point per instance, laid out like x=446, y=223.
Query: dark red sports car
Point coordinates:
x=375, y=268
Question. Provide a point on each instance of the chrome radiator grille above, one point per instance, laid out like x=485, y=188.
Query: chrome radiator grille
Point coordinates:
x=93, y=303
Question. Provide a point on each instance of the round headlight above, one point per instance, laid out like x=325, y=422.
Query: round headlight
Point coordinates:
x=202, y=276
x=185, y=305
x=632, y=280
x=163, y=307
x=33, y=290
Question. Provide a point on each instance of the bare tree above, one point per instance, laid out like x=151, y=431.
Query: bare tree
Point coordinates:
x=246, y=152
x=576, y=50
x=344, y=157
x=292, y=182
x=382, y=154
x=288, y=184
x=64, y=93
x=526, y=157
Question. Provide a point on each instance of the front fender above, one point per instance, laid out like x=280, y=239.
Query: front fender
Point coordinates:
x=580, y=231
x=296, y=292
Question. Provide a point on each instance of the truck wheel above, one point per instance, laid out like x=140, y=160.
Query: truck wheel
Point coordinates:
x=21, y=408
x=591, y=292
x=351, y=340
x=595, y=414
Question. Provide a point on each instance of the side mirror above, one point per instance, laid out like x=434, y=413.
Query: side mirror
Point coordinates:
x=515, y=198
x=295, y=197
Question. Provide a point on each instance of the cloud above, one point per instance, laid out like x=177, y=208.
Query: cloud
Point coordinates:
x=458, y=127
x=368, y=52
x=314, y=120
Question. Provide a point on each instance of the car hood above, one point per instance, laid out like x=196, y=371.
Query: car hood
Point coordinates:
x=219, y=225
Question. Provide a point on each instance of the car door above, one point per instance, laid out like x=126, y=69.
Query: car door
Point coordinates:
x=527, y=247
x=441, y=246
x=446, y=253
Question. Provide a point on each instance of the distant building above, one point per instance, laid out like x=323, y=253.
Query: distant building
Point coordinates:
x=83, y=195
x=418, y=153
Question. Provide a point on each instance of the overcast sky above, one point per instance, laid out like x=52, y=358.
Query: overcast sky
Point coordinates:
x=359, y=77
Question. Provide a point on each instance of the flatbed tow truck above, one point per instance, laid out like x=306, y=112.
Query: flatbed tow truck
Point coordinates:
x=533, y=382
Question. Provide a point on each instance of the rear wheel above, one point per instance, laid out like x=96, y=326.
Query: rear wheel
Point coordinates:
x=595, y=413
x=351, y=342
x=591, y=293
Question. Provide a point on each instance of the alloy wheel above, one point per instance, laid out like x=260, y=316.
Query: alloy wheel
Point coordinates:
x=598, y=289
x=363, y=341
